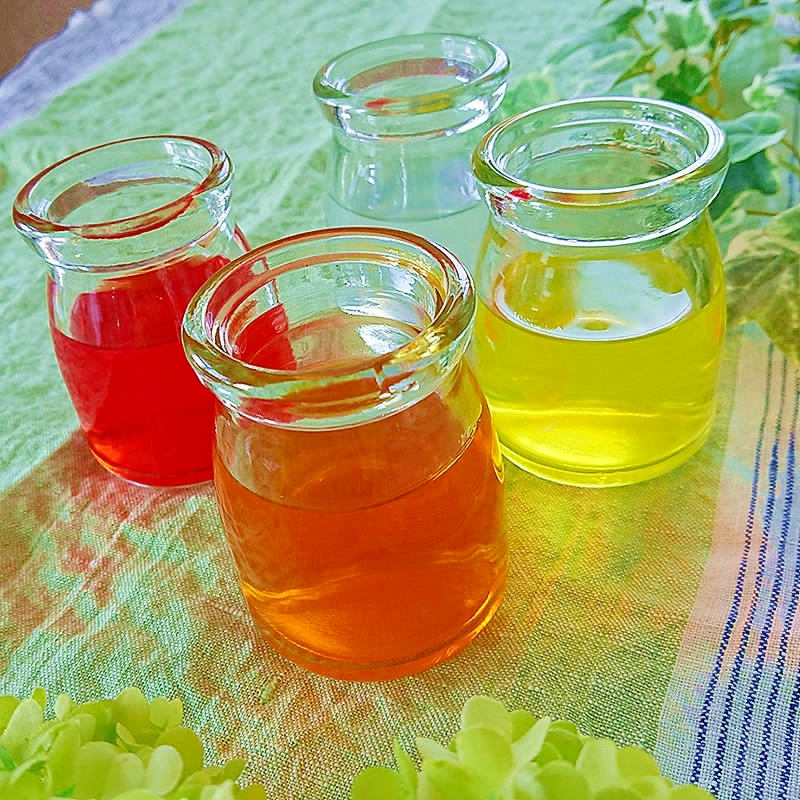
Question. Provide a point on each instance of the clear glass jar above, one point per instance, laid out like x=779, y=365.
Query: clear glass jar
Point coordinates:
x=601, y=303
x=357, y=472
x=129, y=231
x=407, y=113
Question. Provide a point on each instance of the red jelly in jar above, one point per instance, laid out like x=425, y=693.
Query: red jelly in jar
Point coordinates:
x=130, y=231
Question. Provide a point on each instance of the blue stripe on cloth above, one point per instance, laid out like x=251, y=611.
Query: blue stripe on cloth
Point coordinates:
x=789, y=751
x=734, y=683
x=761, y=682
x=733, y=614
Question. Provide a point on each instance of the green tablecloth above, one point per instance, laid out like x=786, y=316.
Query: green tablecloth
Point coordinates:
x=663, y=614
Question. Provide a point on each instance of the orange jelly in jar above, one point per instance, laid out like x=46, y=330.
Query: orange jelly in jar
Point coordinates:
x=357, y=471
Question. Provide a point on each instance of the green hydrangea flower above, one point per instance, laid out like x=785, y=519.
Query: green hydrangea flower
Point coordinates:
x=499, y=755
x=120, y=749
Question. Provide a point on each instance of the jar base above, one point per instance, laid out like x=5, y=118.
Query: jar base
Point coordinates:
x=606, y=478
x=178, y=480
x=390, y=670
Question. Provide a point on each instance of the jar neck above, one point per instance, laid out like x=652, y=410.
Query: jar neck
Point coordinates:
x=386, y=324
x=425, y=86
x=601, y=172
x=412, y=179
x=127, y=204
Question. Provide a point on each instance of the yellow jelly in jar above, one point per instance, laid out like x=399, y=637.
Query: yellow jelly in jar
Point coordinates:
x=599, y=356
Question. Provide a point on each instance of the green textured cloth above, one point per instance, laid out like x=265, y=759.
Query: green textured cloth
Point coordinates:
x=662, y=614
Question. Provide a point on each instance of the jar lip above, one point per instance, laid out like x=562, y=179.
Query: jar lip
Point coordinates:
x=453, y=317
x=493, y=176
x=219, y=171
x=331, y=81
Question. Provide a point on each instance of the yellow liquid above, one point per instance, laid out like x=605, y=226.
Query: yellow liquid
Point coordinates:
x=602, y=371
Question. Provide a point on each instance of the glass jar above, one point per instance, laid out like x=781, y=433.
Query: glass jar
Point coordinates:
x=357, y=472
x=601, y=303
x=407, y=113
x=129, y=231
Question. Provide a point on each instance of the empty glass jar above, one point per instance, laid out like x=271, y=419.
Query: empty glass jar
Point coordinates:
x=407, y=113
x=601, y=308
x=356, y=468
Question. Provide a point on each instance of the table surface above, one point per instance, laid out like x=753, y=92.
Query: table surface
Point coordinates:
x=663, y=614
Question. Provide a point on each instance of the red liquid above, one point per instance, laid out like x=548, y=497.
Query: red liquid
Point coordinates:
x=144, y=412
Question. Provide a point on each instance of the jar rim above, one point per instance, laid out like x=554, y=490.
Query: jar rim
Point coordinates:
x=218, y=172
x=331, y=83
x=491, y=173
x=453, y=319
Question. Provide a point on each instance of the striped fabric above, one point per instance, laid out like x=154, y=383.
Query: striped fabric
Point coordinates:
x=730, y=718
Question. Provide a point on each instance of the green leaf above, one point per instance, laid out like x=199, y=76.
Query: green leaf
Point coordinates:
x=452, y=781
x=233, y=769
x=762, y=270
x=699, y=27
x=751, y=133
x=185, y=741
x=40, y=696
x=521, y=723
x=525, y=786
x=26, y=787
x=24, y=725
x=598, y=763
x=562, y=781
x=433, y=751
x=131, y=709
x=633, y=763
x=761, y=95
x=682, y=77
x=104, y=724
x=164, y=769
x=486, y=712
x=756, y=173
x=527, y=747
x=378, y=782
x=568, y=744
x=687, y=26
x=405, y=769
x=787, y=78
x=486, y=755
x=253, y=792
x=641, y=66
x=6, y=760
x=548, y=753
x=8, y=705
x=608, y=33
x=125, y=772
x=63, y=757
x=63, y=706
x=166, y=713
x=93, y=765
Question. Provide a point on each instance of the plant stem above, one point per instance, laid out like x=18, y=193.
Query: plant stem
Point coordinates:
x=634, y=32
x=756, y=213
x=793, y=168
x=792, y=149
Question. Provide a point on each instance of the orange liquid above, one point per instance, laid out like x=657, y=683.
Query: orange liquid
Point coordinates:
x=370, y=552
